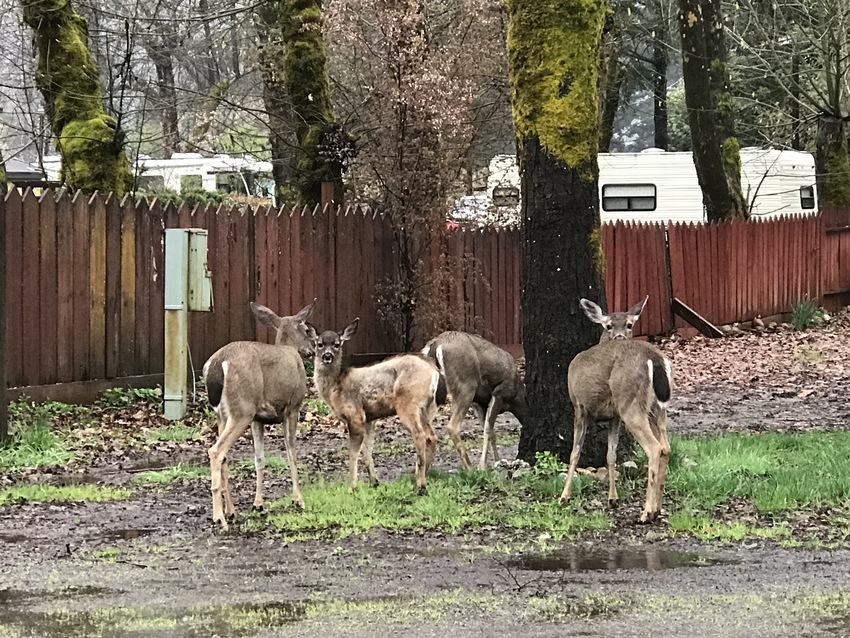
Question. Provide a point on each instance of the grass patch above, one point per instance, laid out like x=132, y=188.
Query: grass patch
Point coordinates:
x=317, y=406
x=34, y=445
x=173, y=473
x=41, y=493
x=775, y=471
x=703, y=527
x=452, y=503
x=107, y=555
x=560, y=609
x=174, y=432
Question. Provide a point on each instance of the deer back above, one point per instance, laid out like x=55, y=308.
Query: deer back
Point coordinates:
x=616, y=373
x=475, y=365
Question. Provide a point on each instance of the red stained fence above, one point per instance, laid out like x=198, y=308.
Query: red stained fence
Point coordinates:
x=85, y=277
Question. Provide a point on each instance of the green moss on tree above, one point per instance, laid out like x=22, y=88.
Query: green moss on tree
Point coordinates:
x=320, y=143
x=554, y=90
x=836, y=186
x=88, y=139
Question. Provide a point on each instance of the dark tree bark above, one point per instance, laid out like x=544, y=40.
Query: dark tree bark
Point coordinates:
x=90, y=141
x=553, y=54
x=4, y=429
x=716, y=154
x=166, y=94
x=831, y=162
x=660, y=47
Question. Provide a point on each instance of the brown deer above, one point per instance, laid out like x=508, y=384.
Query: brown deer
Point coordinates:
x=627, y=383
x=477, y=373
x=405, y=385
x=251, y=384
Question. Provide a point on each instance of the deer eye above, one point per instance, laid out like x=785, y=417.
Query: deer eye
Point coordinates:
x=629, y=325
x=608, y=326
x=336, y=346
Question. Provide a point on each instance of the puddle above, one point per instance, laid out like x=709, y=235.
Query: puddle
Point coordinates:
x=575, y=559
x=121, y=534
x=16, y=595
x=13, y=538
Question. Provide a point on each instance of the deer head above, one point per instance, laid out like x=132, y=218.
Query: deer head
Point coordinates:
x=617, y=325
x=289, y=331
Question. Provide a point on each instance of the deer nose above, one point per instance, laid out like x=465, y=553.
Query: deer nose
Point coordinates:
x=306, y=352
x=328, y=357
x=620, y=337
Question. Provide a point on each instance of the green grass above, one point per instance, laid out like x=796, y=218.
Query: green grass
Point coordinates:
x=34, y=445
x=452, y=503
x=317, y=406
x=703, y=527
x=41, y=493
x=173, y=432
x=776, y=472
x=173, y=473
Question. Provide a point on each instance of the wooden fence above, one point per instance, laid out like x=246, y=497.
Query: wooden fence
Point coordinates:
x=85, y=277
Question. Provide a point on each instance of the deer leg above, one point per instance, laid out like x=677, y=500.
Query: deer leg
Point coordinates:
x=493, y=410
x=460, y=406
x=579, y=428
x=218, y=453
x=291, y=421
x=368, y=444
x=412, y=422
x=659, y=429
x=637, y=423
x=355, y=443
x=613, y=440
x=258, y=433
x=225, y=474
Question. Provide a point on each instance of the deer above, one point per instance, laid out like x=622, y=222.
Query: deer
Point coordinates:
x=477, y=373
x=405, y=385
x=627, y=383
x=251, y=384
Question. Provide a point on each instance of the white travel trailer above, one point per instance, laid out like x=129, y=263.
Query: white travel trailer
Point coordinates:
x=227, y=173
x=659, y=186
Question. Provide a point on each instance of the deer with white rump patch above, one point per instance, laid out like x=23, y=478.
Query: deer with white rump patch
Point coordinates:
x=405, y=385
x=251, y=384
x=627, y=383
x=480, y=374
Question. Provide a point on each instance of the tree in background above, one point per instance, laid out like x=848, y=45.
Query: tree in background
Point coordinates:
x=408, y=74
x=90, y=140
x=553, y=57
x=708, y=97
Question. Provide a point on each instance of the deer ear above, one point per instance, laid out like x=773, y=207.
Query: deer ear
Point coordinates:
x=593, y=312
x=350, y=329
x=265, y=315
x=305, y=312
x=310, y=332
x=635, y=310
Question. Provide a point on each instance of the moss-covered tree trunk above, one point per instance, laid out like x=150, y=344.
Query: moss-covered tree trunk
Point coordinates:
x=305, y=75
x=831, y=162
x=716, y=154
x=553, y=56
x=89, y=140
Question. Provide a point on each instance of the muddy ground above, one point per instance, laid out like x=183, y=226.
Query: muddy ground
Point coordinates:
x=153, y=565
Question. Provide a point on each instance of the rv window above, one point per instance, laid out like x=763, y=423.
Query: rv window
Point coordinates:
x=150, y=182
x=505, y=196
x=628, y=197
x=807, y=197
x=191, y=183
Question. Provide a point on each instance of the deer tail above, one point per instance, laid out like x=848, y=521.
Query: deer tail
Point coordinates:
x=661, y=377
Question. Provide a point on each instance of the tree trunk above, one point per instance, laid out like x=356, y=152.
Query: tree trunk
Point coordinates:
x=4, y=429
x=612, y=93
x=831, y=162
x=166, y=96
x=716, y=155
x=321, y=145
x=660, y=46
x=553, y=55
x=89, y=140
x=276, y=101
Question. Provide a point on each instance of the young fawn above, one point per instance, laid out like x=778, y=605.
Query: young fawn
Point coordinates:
x=405, y=385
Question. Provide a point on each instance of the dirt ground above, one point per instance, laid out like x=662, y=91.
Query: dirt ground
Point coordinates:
x=153, y=565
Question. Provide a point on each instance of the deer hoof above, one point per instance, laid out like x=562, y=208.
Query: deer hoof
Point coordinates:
x=421, y=490
x=375, y=482
x=647, y=517
x=258, y=508
x=613, y=503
